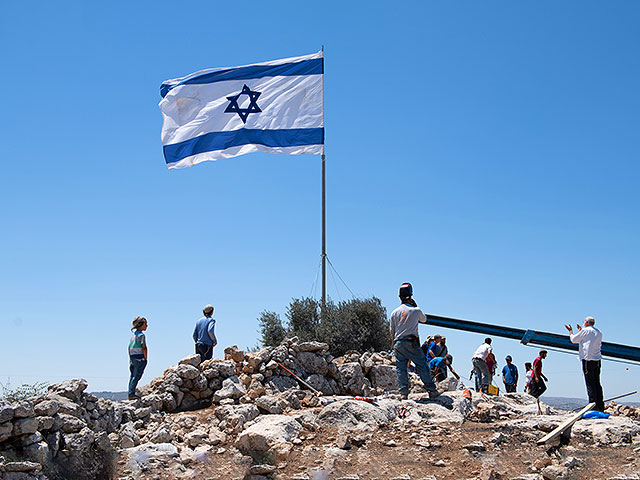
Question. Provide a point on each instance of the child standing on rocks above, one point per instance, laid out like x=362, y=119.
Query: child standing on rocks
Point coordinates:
x=137, y=354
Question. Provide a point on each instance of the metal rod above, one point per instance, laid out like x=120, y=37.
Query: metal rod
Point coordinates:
x=324, y=238
x=621, y=396
x=324, y=213
x=300, y=380
x=612, y=399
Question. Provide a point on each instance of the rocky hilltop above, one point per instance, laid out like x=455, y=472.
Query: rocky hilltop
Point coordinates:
x=245, y=417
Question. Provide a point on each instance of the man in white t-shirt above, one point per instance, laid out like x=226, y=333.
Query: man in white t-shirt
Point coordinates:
x=480, y=368
x=589, y=339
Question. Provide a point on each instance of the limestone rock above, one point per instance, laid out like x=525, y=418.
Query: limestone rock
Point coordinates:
x=154, y=402
x=610, y=431
x=215, y=368
x=45, y=423
x=328, y=386
x=281, y=383
x=25, y=426
x=233, y=353
x=270, y=404
x=383, y=377
x=216, y=437
x=254, y=359
x=312, y=363
x=71, y=389
x=187, y=372
x=231, y=388
x=47, y=408
x=555, y=472
x=128, y=436
x=196, y=437
x=23, y=409
x=21, y=467
x=66, y=405
x=193, y=360
x=267, y=432
x=353, y=415
x=475, y=447
x=67, y=423
x=312, y=347
x=162, y=434
x=38, y=452
x=6, y=412
x=352, y=379
x=5, y=431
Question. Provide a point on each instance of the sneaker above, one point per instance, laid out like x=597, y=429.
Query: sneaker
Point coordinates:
x=405, y=396
x=133, y=397
x=434, y=394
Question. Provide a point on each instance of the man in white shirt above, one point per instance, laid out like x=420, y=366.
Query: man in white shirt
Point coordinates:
x=480, y=368
x=403, y=325
x=590, y=340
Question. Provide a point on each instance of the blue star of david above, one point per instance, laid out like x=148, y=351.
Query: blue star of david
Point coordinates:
x=253, y=107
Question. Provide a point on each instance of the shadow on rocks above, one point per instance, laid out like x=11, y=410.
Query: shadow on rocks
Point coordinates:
x=443, y=400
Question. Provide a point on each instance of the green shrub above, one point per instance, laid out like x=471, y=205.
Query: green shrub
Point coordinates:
x=22, y=392
x=357, y=324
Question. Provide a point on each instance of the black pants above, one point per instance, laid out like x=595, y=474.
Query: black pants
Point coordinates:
x=538, y=388
x=205, y=351
x=591, y=370
x=510, y=388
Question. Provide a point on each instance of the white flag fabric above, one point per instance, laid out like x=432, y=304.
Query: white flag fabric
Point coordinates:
x=274, y=107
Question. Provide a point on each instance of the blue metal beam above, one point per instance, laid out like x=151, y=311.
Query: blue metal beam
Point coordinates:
x=544, y=339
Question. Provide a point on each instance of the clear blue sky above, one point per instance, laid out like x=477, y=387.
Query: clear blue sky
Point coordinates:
x=488, y=152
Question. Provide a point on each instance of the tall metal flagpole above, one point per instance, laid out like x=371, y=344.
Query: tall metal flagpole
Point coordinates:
x=324, y=239
x=324, y=219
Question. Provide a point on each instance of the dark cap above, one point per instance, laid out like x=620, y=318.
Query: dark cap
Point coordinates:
x=406, y=290
x=508, y=358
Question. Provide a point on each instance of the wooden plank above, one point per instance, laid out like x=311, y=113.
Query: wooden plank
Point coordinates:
x=563, y=426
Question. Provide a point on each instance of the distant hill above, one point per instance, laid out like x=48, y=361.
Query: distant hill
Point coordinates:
x=115, y=396
x=564, y=403
x=568, y=403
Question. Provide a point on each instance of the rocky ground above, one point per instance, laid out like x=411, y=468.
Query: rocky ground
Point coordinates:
x=245, y=418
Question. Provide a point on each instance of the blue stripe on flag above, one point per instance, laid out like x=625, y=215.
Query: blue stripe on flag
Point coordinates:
x=222, y=140
x=306, y=67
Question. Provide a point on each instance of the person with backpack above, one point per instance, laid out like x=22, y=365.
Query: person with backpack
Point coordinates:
x=403, y=325
x=203, y=334
x=509, y=375
x=137, y=355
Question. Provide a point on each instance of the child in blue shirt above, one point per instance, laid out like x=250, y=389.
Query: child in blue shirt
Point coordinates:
x=510, y=375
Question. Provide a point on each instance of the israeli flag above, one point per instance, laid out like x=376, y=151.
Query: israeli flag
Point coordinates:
x=274, y=107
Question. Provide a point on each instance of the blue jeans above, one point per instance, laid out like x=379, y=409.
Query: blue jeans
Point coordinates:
x=136, y=367
x=481, y=371
x=404, y=352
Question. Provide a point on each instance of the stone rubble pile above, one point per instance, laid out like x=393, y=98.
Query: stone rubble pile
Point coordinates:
x=260, y=414
x=623, y=410
x=66, y=429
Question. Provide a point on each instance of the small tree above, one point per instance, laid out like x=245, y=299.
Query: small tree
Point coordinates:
x=271, y=329
x=358, y=324
x=304, y=317
x=22, y=392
